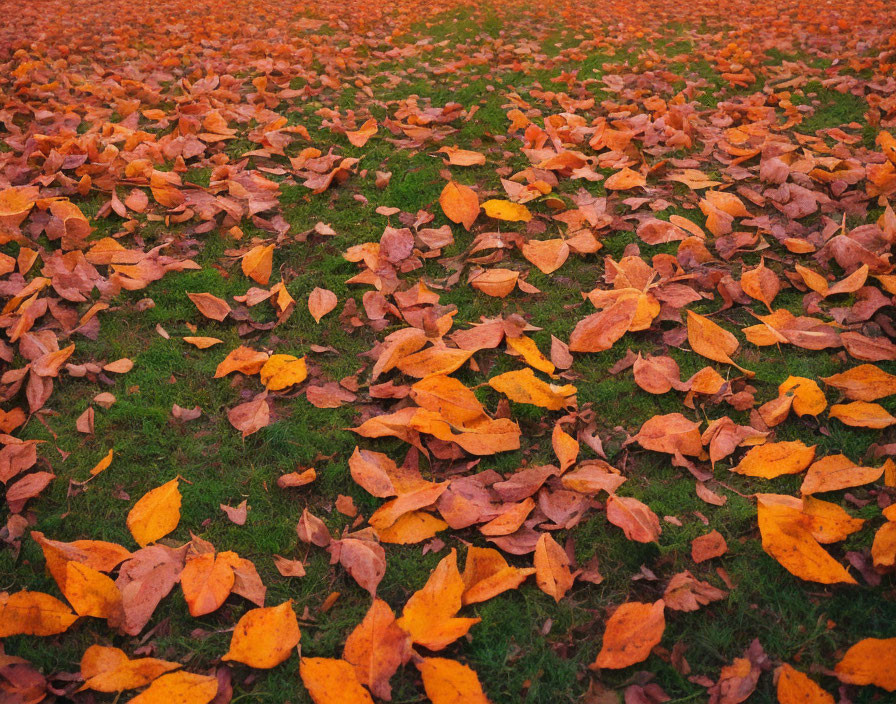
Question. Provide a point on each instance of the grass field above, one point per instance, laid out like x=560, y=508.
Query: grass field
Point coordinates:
x=397, y=65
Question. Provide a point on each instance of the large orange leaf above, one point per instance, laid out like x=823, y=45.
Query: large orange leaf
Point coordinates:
x=636, y=519
x=33, y=614
x=552, y=571
x=487, y=574
x=107, y=669
x=244, y=360
x=179, y=688
x=210, y=306
x=787, y=537
x=808, y=398
x=776, y=458
x=712, y=341
x=459, y=203
x=281, y=371
x=207, y=581
x=450, y=682
x=796, y=688
x=862, y=414
x=330, y=681
x=429, y=615
x=631, y=633
x=377, y=648
x=671, y=433
x=837, y=472
x=96, y=554
x=91, y=593
x=257, y=263
x=870, y=661
x=263, y=638
x=155, y=514
x=599, y=331
x=523, y=386
x=863, y=383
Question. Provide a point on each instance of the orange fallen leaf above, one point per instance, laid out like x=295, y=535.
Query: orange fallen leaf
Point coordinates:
x=412, y=527
x=636, y=519
x=450, y=682
x=90, y=592
x=155, y=514
x=429, y=615
x=787, y=537
x=462, y=157
x=566, y=447
x=776, y=458
x=179, y=688
x=870, y=661
x=359, y=137
x=497, y=282
x=103, y=464
x=838, y=472
x=207, y=581
x=796, y=688
x=599, y=331
x=107, y=669
x=712, y=341
x=330, y=681
x=487, y=574
x=320, y=302
x=257, y=264
x=265, y=637
x=250, y=417
x=883, y=549
x=459, y=203
x=862, y=414
x=552, y=571
x=202, y=342
x=808, y=398
x=706, y=547
x=631, y=633
x=376, y=648
x=210, y=306
x=33, y=614
x=281, y=371
x=625, y=180
x=671, y=433
x=242, y=359
x=761, y=283
x=524, y=387
x=863, y=383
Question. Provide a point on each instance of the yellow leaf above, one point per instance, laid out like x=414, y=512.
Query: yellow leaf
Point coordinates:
x=524, y=387
x=155, y=514
x=506, y=210
x=281, y=371
x=102, y=464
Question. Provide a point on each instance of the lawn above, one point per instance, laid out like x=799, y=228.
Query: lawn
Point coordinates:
x=719, y=167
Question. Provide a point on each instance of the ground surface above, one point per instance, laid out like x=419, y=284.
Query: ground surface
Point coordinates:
x=225, y=128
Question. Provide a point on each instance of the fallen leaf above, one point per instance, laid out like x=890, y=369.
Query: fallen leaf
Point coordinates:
x=631, y=633
x=263, y=638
